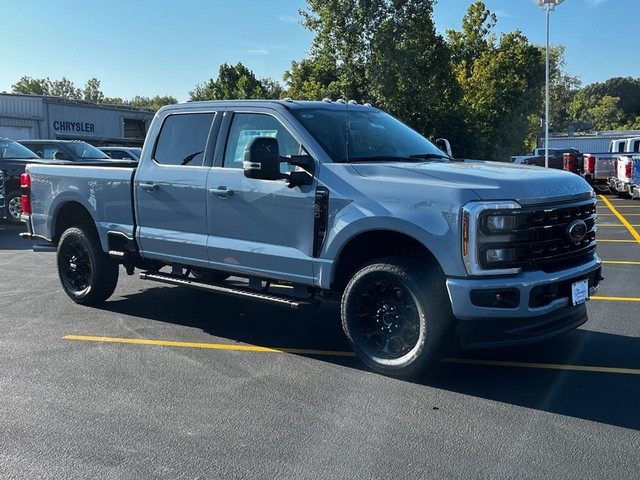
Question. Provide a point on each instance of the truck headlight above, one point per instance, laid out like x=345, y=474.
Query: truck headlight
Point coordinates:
x=497, y=223
x=487, y=230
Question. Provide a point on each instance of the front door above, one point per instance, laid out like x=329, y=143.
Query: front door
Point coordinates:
x=259, y=227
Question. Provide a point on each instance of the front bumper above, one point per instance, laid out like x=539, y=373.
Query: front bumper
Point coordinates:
x=539, y=305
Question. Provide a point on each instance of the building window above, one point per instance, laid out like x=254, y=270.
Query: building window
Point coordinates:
x=134, y=128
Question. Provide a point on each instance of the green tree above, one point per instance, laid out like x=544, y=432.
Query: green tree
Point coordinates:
x=235, y=82
x=607, y=115
x=32, y=86
x=92, y=90
x=589, y=101
x=501, y=81
x=386, y=52
x=65, y=88
x=155, y=102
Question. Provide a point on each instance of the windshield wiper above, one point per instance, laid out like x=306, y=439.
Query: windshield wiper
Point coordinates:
x=430, y=156
x=382, y=158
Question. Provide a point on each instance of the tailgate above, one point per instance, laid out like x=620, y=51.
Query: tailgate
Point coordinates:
x=605, y=167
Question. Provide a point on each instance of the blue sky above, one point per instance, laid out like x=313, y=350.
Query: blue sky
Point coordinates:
x=166, y=47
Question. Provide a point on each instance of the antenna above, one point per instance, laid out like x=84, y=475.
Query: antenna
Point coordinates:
x=347, y=128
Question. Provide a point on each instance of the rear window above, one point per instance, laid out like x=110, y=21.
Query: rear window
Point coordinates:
x=183, y=139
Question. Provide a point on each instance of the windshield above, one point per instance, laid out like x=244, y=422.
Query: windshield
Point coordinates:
x=84, y=150
x=372, y=136
x=10, y=150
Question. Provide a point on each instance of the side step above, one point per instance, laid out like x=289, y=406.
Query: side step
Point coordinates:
x=289, y=302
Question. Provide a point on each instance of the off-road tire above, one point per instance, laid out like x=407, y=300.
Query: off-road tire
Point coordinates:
x=87, y=274
x=397, y=316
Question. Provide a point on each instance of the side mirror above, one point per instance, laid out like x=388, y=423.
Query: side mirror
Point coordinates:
x=444, y=145
x=261, y=159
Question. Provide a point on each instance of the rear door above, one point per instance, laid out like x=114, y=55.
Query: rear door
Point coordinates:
x=169, y=190
x=259, y=227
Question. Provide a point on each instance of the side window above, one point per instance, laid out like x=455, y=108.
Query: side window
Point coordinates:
x=183, y=139
x=246, y=126
x=49, y=151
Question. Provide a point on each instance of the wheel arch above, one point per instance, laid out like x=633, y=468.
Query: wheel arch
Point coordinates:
x=369, y=245
x=70, y=214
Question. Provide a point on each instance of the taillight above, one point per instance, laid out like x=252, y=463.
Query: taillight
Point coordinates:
x=627, y=169
x=591, y=164
x=25, y=187
x=569, y=163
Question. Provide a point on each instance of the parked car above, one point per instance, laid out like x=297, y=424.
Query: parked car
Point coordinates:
x=13, y=159
x=122, y=153
x=333, y=200
x=72, y=150
x=635, y=178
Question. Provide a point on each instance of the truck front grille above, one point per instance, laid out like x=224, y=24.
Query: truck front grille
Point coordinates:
x=542, y=237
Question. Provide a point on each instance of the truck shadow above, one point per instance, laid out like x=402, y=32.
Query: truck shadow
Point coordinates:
x=537, y=377
x=9, y=239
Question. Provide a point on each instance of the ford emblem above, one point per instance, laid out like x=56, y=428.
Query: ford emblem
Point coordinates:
x=577, y=230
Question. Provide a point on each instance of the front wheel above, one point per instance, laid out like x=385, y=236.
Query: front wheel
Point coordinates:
x=87, y=274
x=397, y=317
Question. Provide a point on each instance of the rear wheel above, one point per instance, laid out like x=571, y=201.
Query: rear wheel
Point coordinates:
x=397, y=317
x=86, y=273
x=13, y=207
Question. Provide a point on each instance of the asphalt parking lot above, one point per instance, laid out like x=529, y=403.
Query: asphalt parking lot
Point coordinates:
x=166, y=382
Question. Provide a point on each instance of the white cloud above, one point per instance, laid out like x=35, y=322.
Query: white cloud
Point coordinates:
x=257, y=51
x=288, y=18
x=504, y=14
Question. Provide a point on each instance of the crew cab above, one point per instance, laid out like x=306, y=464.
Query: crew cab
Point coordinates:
x=333, y=200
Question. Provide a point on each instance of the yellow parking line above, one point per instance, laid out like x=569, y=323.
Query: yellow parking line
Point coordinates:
x=546, y=366
x=632, y=230
x=212, y=346
x=616, y=299
x=612, y=225
x=620, y=262
x=603, y=240
x=249, y=348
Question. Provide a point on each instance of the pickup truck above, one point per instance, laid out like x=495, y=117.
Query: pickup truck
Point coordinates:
x=556, y=158
x=620, y=182
x=335, y=201
x=635, y=178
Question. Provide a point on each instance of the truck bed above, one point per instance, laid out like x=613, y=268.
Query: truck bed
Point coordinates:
x=104, y=189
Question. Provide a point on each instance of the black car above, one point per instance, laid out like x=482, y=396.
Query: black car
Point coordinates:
x=13, y=158
x=72, y=150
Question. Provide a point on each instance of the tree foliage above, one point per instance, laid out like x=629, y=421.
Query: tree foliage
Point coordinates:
x=235, y=82
x=65, y=88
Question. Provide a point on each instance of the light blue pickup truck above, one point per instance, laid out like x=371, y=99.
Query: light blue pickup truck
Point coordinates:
x=333, y=200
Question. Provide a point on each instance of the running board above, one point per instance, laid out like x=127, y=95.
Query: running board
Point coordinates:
x=288, y=302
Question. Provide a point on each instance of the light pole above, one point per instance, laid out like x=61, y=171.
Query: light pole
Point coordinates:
x=547, y=6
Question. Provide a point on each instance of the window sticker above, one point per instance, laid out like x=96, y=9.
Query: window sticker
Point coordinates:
x=246, y=136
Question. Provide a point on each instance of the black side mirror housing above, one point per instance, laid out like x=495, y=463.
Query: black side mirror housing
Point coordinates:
x=261, y=159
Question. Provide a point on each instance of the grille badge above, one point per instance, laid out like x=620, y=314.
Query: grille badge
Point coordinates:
x=576, y=231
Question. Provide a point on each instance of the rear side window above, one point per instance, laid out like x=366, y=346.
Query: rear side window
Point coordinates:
x=183, y=139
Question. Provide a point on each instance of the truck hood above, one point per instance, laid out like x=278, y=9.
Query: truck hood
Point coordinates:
x=489, y=180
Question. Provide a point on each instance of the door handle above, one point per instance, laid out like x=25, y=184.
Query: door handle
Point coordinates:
x=149, y=187
x=222, y=192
